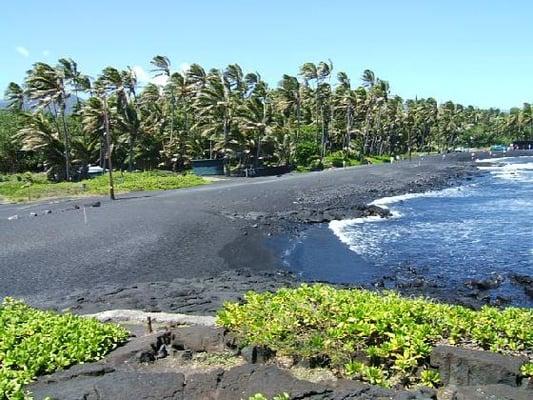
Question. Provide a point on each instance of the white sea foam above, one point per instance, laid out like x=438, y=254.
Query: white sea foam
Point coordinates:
x=342, y=229
x=522, y=172
x=495, y=159
x=360, y=242
x=384, y=202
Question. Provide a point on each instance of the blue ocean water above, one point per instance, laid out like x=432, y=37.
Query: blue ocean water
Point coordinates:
x=460, y=233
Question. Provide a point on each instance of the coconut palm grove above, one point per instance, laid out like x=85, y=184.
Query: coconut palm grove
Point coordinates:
x=60, y=120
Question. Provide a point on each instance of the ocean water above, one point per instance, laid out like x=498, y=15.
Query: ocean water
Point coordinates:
x=467, y=232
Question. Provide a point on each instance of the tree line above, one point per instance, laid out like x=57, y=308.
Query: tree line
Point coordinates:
x=309, y=119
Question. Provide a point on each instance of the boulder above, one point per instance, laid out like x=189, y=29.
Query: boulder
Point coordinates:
x=257, y=354
x=465, y=367
x=200, y=339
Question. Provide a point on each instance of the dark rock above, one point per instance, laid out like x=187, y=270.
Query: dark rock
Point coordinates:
x=491, y=282
x=186, y=355
x=162, y=352
x=484, y=392
x=146, y=356
x=257, y=354
x=464, y=367
x=375, y=211
x=245, y=381
x=116, y=386
x=203, y=386
x=96, y=204
x=199, y=339
x=525, y=281
x=500, y=301
x=521, y=279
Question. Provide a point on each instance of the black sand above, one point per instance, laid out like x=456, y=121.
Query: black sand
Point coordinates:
x=188, y=240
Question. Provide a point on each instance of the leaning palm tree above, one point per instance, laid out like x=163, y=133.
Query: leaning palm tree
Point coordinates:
x=14, y=95
x=46, y=86
x=291, y=99
x=215, y=107
x=319, y=73
x=109, y=83
x=77, y=81
x=162, y=68
x=41, y=136
x=254, y=116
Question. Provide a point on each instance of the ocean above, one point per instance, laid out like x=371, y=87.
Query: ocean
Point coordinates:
x=479, y=229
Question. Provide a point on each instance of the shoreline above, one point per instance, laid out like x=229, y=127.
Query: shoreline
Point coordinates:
x=201, y=252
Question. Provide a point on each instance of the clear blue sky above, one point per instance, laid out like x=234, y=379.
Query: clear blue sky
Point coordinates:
x=470, y=51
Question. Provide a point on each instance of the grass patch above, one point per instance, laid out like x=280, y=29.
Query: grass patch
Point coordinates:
x=35, y=342
x=32, y=186
x=381, y=338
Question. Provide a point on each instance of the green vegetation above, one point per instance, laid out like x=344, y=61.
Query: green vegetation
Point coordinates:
x=34, y=342
x=310, y=120
x=34, y=186
x=381, y=338
x=259, y=396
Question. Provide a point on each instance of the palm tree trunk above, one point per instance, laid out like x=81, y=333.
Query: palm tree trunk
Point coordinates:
x=66, y=143
x=130, y=151
x=226, y=161
x=109, y=150
x=298, y=117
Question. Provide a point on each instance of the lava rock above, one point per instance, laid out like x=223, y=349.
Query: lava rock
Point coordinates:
x=463, y=367
x=146, y=357
x=257, y=354
x=199, y=338
x=491, y=282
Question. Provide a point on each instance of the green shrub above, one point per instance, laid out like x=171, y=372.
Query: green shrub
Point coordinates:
x=26, y=187
x=306, y=152
x=259, y=396
x=35, y=342
x=381, y=338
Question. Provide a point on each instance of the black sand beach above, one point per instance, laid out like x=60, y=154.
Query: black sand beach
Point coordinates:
x=139, y=250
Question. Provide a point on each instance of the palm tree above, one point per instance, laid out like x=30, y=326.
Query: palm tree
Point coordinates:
x=216, y=105
x=46, y=86
x=291, y=99
x=347, y=100
x=77, y=81
x=254, y=114
x=40, y=135
x=110, y=82
x=319, y=73
x=14, y=95
x=162, y=68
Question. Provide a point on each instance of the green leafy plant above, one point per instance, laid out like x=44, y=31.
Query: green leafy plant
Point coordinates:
x=381, y=338
x=259, y=396
x=527, y=369
x=430, y=377
x=35, y=342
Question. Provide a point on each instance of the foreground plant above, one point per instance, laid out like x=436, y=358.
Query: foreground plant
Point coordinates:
x=35, y=342
x=381, y=338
